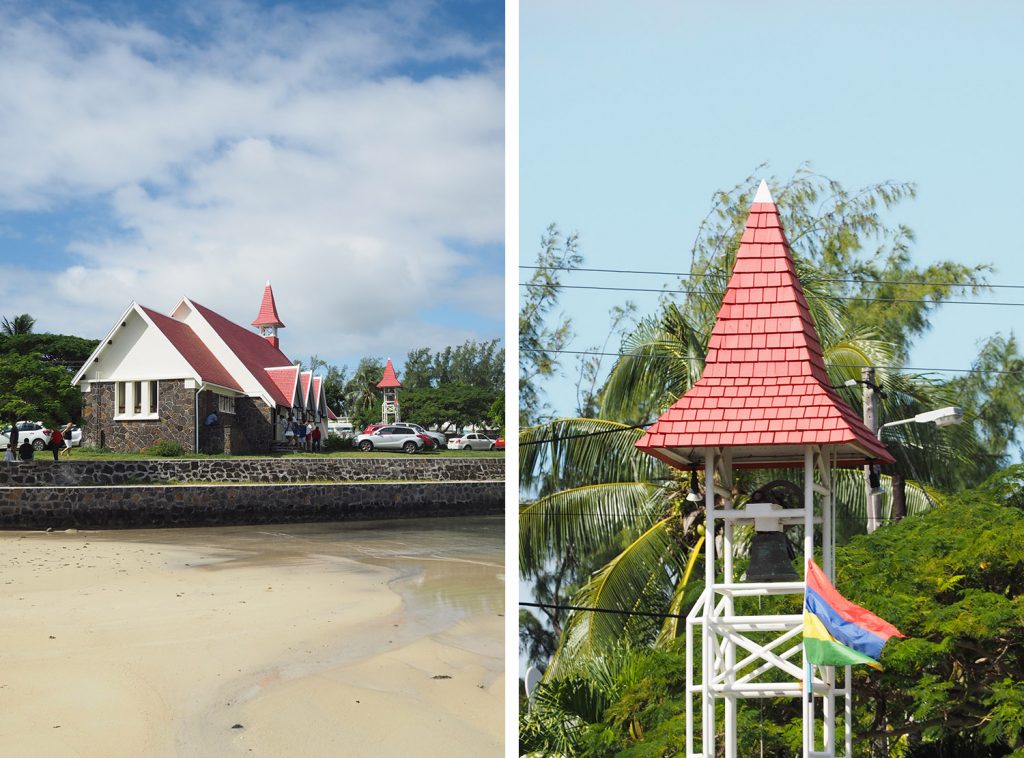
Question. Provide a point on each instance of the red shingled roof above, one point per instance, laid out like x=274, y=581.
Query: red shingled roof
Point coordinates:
x=192, y=349
x=305, y=378
x=268, y=310
x=254, y=351
x=764, y=392
x=389, y=379
x=284, y=378
x=317, y=382
x=331, y=415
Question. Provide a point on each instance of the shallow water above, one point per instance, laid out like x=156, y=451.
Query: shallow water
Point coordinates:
x=446, y=570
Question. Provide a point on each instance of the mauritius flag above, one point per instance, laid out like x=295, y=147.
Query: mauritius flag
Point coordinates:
x=836, y=631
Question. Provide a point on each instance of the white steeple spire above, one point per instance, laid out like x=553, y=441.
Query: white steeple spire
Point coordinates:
x=763, y=195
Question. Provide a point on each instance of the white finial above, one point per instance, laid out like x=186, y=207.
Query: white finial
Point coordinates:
x=268, y=282
x=763, y=195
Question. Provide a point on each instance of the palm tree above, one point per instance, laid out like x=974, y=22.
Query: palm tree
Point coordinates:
x=22, y=324
x=594, y=490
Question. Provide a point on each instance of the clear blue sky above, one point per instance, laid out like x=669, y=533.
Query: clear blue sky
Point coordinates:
x=632, y=114
x=350, y=152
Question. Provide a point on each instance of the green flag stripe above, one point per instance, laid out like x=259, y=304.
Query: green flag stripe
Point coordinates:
x=830, y=653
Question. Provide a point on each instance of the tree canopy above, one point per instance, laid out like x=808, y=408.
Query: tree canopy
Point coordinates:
x=35, y=376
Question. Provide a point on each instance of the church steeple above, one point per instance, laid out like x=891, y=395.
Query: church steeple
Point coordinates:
x=267, y=319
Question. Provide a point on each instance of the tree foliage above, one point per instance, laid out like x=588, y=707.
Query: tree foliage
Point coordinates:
x=539, y=342
x=36, y=372
x=23, y=324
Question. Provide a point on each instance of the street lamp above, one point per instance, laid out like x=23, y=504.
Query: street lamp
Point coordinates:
x=941, y=417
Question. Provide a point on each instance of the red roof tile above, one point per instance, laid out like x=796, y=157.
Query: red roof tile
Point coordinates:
x=193, y=350
x=389, y=379
x=254, y=351
x=766, y=340
x=268, y=310
x=284, y=378
x=305, y=379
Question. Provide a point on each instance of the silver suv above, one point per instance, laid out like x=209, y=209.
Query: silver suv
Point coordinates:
x=390, y=438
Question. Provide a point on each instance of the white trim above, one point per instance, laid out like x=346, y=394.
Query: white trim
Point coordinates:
x=103, y=343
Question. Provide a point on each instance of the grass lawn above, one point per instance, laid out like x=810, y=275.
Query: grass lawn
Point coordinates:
x=93, y=454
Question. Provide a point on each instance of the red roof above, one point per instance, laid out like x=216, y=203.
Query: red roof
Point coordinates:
x=305, y=378
x=254, y=351
x=764, y=392
x=331, y=415
x=193, y=350
x=268, y=310
x=389, y=379
x=284, y=378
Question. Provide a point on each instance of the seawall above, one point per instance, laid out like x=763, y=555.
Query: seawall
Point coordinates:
x=141, y=494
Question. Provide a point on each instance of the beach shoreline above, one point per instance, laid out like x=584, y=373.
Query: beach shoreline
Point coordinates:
x=303, y=640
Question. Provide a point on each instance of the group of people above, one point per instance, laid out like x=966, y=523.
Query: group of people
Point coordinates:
x=60, y=443
x=302, y=436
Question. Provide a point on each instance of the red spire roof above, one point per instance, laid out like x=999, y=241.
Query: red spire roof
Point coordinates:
x=389, y=379
x=255, y=352
x=764, y=392
x=268, y=310
x=285, y=379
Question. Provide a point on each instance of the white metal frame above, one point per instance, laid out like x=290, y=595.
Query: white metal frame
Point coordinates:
x=727, y=652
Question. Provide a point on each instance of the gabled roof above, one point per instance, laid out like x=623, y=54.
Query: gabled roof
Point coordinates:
x=255, y=352
x=268, y=310
x=192, y=349
x=331, y=415
x=389, y=379
x=318, y=393
x=305, y=381
x=764, y=392
x=286, y=380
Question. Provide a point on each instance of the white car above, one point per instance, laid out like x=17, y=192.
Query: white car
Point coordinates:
x=33, y=431
x=472, y=441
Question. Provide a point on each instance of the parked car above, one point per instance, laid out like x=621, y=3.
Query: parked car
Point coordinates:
x=499, y=444
x=439, y=439
x=341, y=429
x=33, y=431
x=471, y=441
x=390, y=438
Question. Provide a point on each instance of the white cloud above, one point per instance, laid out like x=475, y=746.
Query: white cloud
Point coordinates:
x=278, y=145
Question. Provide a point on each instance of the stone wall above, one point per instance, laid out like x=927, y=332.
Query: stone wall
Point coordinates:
x=71, y=473
x=159, y=506
x=176, y=422
x=253, y=429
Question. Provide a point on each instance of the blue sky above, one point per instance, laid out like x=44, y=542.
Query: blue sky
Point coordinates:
x=632, y=115
x=351, y=153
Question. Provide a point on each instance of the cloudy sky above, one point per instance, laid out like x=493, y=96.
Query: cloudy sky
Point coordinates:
x=351, y=153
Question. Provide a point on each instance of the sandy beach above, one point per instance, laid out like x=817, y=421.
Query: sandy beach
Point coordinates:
x=370, y=639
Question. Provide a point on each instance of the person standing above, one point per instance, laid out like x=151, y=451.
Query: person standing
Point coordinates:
x=56, y=443
x=66, y=434
x=300, y=433
x=9, y=454
x=315, y=436
x=14, y=432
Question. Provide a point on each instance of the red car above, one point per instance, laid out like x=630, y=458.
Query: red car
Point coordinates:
x=499, y=444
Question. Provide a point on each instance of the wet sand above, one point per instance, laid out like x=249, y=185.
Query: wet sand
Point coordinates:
x=370, y=639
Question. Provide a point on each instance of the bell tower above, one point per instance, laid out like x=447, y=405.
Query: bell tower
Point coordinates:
x=390, y=410
x=764, y=401
x=267, y=320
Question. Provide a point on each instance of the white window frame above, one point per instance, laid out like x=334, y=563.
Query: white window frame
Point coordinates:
x=149, y=402
x=226, y=404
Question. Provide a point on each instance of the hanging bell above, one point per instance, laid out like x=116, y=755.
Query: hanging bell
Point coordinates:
x=771, y=558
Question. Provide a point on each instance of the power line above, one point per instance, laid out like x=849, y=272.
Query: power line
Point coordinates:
x=898, y=369
x=618, y=612
x=855, y=298
x=720, y=274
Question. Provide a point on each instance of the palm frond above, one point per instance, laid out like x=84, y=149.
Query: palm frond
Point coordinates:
x=582, y=518
x=650, y=562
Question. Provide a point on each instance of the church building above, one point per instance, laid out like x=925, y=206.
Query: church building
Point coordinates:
x=196, y=379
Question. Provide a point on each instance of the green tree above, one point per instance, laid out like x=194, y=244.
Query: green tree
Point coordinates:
x=362, y=399
x=31, y=388
x=450, y=405
x=22, y=324
x=539, y=343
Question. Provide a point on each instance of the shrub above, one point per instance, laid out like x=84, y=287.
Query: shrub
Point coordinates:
x=334, y=443
x=165, y=449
